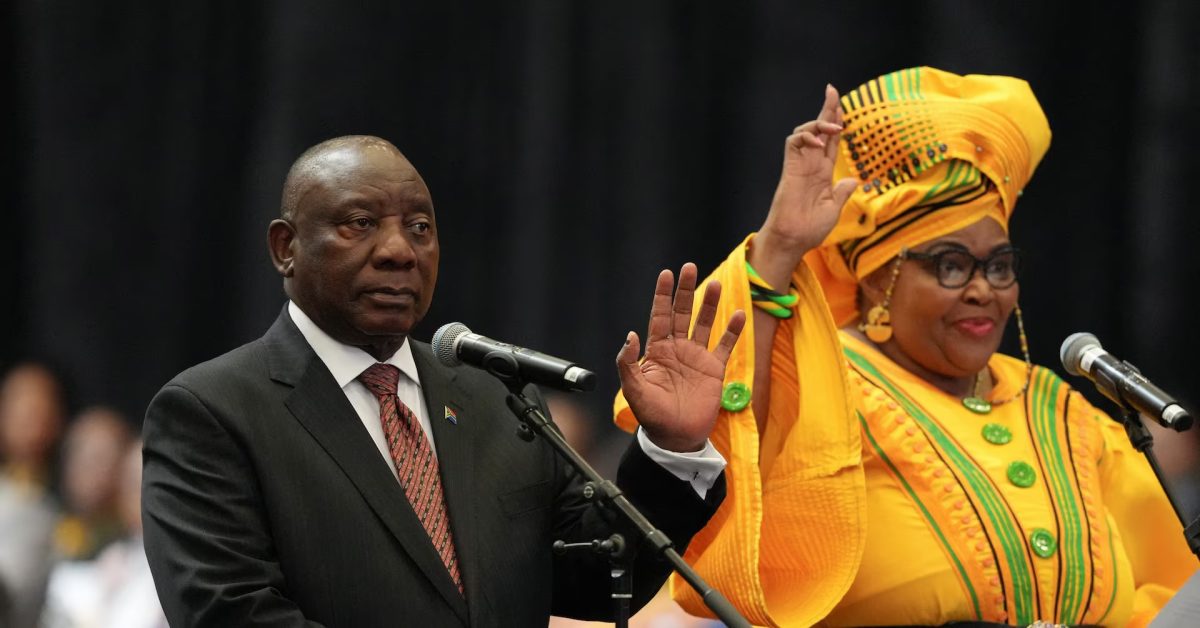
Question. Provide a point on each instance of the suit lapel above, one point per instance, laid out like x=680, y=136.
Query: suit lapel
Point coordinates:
x=322, y=408
x=455, y=428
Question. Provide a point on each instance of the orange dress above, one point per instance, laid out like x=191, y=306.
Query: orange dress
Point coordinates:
x=876, y=499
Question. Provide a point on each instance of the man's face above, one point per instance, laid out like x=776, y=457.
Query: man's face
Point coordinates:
x=364, y=253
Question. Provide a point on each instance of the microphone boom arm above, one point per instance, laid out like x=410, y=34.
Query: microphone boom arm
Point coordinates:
x=1135, y=396
x=609, y=494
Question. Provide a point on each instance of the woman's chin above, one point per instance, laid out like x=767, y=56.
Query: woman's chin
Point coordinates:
x=971, y=361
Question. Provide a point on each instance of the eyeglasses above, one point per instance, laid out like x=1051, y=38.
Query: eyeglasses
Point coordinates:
x=954, y=268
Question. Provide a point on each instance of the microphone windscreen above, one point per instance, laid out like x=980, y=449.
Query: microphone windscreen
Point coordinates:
x=1073, y=348
x=444, y=340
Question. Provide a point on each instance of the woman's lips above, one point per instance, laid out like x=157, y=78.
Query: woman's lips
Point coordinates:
x=977, y=327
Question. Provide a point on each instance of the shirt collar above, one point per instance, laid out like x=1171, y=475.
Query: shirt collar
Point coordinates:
x=345, y=362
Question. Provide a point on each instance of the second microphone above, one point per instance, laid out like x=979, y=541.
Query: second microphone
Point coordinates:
x=454, y=344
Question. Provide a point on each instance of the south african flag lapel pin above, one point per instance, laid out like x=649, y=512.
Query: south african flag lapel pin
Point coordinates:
x=451, y=415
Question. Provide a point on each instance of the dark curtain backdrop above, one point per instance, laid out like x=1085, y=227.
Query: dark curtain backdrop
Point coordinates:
x=573, y=149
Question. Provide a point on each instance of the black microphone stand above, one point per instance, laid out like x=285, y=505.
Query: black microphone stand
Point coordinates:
x=620, y=561
x=1143, y=441
x=607, y=494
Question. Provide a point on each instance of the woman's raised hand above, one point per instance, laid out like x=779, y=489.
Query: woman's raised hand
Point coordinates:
x=807, y=201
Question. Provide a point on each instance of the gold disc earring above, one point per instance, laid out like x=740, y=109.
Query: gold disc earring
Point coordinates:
x=878, y=326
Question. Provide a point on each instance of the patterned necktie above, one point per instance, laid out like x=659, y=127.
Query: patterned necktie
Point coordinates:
x=415, y=464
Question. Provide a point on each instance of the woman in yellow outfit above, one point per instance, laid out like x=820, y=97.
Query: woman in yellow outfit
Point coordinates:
x=886, y=465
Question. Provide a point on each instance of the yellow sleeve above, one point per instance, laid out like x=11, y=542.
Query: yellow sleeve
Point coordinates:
x=785, y=545
x=1150, y=532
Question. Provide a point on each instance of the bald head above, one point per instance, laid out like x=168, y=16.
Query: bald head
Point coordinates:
x=326, y=161
x=357, y=243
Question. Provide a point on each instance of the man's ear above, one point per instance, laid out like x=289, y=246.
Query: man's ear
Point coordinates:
x=280, y=236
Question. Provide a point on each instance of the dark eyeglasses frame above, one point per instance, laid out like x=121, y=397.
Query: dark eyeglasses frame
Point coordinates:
x=976, y=264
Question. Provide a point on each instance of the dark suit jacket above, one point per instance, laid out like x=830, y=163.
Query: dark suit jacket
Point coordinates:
x=265, y=502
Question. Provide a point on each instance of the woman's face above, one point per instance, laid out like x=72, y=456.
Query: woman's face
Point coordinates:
x=951, y=332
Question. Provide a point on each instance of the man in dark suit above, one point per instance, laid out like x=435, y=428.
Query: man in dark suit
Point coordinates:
x=334, y=473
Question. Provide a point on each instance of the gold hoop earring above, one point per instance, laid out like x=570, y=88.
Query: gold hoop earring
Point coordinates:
x=878, y=326
x=1024, y=354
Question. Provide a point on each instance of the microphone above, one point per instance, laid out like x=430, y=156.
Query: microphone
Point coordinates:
x=1120, y=381
x=454, y=344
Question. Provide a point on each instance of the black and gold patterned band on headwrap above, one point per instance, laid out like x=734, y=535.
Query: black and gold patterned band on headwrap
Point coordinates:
x=933, y=152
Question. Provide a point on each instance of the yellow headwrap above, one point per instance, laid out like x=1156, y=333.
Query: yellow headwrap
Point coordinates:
x=934, y=152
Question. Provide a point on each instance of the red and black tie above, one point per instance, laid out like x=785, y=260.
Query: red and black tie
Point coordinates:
x=415, y=463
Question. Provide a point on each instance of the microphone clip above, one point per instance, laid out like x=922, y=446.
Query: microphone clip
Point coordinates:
x=503, y=366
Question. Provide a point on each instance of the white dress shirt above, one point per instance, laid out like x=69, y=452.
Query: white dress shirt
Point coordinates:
x=346, y=363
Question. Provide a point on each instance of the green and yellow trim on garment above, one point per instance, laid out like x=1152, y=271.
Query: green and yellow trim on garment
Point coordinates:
x=961, y=181
x=1000, y=523
x=1047, y=405
x=929, y=518
x=1074, y=538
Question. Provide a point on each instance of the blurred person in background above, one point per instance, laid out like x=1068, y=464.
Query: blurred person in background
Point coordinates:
x=1178, y=455
x=32, y=411
x=115, y=590
x=32, y=408
x=92, y=450
x=592, y=436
